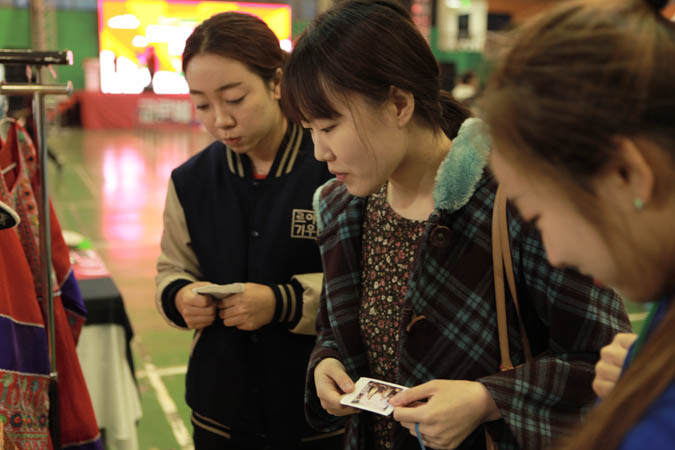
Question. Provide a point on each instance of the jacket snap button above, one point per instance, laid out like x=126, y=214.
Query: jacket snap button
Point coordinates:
x=254, y=234
x=440, y=236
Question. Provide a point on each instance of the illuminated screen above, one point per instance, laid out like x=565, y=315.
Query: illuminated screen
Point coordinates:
x=141, y=42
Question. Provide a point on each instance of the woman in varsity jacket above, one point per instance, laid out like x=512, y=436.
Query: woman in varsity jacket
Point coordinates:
x=240, y=211
x=405, y=239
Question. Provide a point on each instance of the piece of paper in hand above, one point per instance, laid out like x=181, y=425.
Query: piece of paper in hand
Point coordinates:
x=219, y=290
x=372, y=395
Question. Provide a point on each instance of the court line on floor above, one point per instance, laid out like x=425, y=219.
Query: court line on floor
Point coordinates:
x=178, y=428
x=87, y=180
x=164, y=371
x=180, y=431
x=635, y=317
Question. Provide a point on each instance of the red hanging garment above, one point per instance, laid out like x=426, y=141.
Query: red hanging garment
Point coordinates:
x=18, y=189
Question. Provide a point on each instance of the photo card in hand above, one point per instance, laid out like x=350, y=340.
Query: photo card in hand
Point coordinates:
x=372, y=395
x=219, y=291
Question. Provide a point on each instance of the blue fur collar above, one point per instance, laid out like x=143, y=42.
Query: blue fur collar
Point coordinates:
x=461, y=170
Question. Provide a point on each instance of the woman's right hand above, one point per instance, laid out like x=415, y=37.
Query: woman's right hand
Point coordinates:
x=198, y=310
x=332, y=382
x=612, y=357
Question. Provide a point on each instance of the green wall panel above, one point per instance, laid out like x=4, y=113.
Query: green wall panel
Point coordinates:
x=76, y=31
x=464, y=60
x=14, y=28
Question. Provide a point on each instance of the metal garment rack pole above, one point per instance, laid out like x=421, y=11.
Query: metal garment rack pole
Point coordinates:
x=38, y=91
x=35, y=89
x=36, y=57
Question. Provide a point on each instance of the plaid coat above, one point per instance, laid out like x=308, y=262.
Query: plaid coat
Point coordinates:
x=567, y=318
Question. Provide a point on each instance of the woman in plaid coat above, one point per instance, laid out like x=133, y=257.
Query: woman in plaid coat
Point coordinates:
x=406, y=249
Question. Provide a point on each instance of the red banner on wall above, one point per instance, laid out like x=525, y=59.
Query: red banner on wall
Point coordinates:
x=146, y=110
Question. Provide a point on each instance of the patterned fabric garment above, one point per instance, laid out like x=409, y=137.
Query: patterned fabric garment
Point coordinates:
x=389, y=245
x=24, y=381
x=24, y=401
x=19, y=188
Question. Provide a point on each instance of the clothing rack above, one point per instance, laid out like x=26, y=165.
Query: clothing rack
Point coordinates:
x=30, y=89
x=38, y=90
x=36, y=58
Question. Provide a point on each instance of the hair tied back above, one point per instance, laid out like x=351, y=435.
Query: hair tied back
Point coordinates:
x=658, y=5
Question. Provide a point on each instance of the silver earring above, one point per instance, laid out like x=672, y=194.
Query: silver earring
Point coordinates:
x=638, y=204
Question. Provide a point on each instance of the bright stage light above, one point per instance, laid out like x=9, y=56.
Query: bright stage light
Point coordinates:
x=138, y=38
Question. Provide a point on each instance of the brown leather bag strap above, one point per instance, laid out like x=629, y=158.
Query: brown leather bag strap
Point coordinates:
x=505, y=246
x=500, y=292
x=503, y=264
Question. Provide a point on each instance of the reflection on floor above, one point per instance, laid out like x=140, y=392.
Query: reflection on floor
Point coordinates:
x=111, y=189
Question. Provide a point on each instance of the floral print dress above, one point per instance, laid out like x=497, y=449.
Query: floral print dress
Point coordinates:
x=389, y=245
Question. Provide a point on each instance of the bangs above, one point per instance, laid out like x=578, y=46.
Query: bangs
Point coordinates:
x=306, y=92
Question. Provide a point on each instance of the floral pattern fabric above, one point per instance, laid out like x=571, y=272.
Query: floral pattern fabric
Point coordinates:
x=389, y=245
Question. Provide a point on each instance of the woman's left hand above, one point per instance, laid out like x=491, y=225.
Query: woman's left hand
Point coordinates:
x=453, y=409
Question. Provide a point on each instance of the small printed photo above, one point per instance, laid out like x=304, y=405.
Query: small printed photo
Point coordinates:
x=372, y=395
x=219, y=291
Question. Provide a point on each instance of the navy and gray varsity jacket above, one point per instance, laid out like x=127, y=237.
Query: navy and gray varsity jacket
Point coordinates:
x=223, y=225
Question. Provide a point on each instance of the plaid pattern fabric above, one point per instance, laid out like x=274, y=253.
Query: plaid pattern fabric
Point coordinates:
x=567, y=318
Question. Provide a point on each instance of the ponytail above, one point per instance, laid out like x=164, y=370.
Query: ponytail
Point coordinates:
x=453, y=114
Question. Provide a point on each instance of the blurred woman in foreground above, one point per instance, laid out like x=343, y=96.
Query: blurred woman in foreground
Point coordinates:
x=582, y=110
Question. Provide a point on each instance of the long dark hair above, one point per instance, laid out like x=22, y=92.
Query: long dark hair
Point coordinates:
x=365, y=47
x=239, y=36
x=575, y=79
